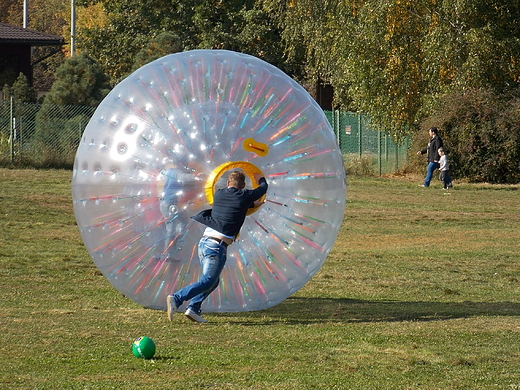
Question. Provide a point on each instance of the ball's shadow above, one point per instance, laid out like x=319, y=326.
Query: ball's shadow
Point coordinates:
x=300, y=310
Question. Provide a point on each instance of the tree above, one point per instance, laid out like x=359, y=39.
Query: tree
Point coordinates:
x=471, y=45
x=394, y=58
x=163, y=44
x=21, y=90
x=239, y=25
x=11, y=12
x=79, y=80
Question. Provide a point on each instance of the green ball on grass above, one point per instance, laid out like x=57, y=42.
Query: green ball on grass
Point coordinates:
x=143, y=348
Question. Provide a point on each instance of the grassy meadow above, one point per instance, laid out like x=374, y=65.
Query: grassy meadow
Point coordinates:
x=421, y=291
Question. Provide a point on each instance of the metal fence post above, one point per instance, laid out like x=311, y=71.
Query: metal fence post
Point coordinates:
x=79, y=130
x=380, y=167
x=11, y=137
x=397, y=158
x=20, y=129
x=387, y=148
x=22, y=125
x=335, y=116
x=360, y=131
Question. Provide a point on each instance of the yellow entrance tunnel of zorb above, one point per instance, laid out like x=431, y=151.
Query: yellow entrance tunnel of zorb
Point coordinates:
x=248, y=169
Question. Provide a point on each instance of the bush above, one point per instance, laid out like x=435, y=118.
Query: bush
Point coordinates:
x=356, y=165
x=481, y=133
x=79, y=81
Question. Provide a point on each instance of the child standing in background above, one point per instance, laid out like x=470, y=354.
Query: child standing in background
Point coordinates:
x=444, y=167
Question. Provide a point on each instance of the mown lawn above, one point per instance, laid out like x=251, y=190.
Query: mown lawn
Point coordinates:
x=421, y=291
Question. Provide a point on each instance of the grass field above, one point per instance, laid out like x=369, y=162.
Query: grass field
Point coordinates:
x=421, y=291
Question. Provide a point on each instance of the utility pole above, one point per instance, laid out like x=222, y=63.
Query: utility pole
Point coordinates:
x=25, y=13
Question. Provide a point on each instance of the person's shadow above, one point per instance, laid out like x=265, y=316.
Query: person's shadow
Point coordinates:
x=300, y=310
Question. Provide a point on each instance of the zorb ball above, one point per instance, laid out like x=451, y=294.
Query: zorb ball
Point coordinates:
x=162, y=143
x=143, y=348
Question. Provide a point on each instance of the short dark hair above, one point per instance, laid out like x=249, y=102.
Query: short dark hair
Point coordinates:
x=434, y=130
x=237, y=179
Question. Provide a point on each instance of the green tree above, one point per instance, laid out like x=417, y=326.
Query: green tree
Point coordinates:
x=471, y=45
x=163, y=44
x=79, y=80
x=394, y=58
x=240, y=25
x=21, y=90
x=123, y=32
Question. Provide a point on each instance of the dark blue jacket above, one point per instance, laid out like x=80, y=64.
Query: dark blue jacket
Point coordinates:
x=230, y=207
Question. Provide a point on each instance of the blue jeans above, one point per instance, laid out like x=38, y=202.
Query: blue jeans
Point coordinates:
x=429, y=173
x=212, y=259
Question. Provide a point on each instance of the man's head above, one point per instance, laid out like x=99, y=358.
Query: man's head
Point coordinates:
x=237, y=179
x=433, y=131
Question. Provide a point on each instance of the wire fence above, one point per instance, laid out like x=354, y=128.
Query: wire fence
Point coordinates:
x=41, y=135
x=367, y=151
x=48, y=135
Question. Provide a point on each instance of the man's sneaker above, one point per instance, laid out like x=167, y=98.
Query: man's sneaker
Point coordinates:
x=171, y=306
x=194, y=316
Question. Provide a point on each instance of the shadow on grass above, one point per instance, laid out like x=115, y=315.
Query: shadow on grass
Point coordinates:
x=299, y=310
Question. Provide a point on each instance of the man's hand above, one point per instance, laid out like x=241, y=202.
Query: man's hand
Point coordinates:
x=257, y=176
x=258, y=203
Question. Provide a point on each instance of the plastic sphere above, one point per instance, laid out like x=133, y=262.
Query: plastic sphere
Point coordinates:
x=143, y=348
x=162, y=142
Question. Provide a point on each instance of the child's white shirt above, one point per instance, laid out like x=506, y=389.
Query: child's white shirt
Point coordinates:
x=443, y=162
